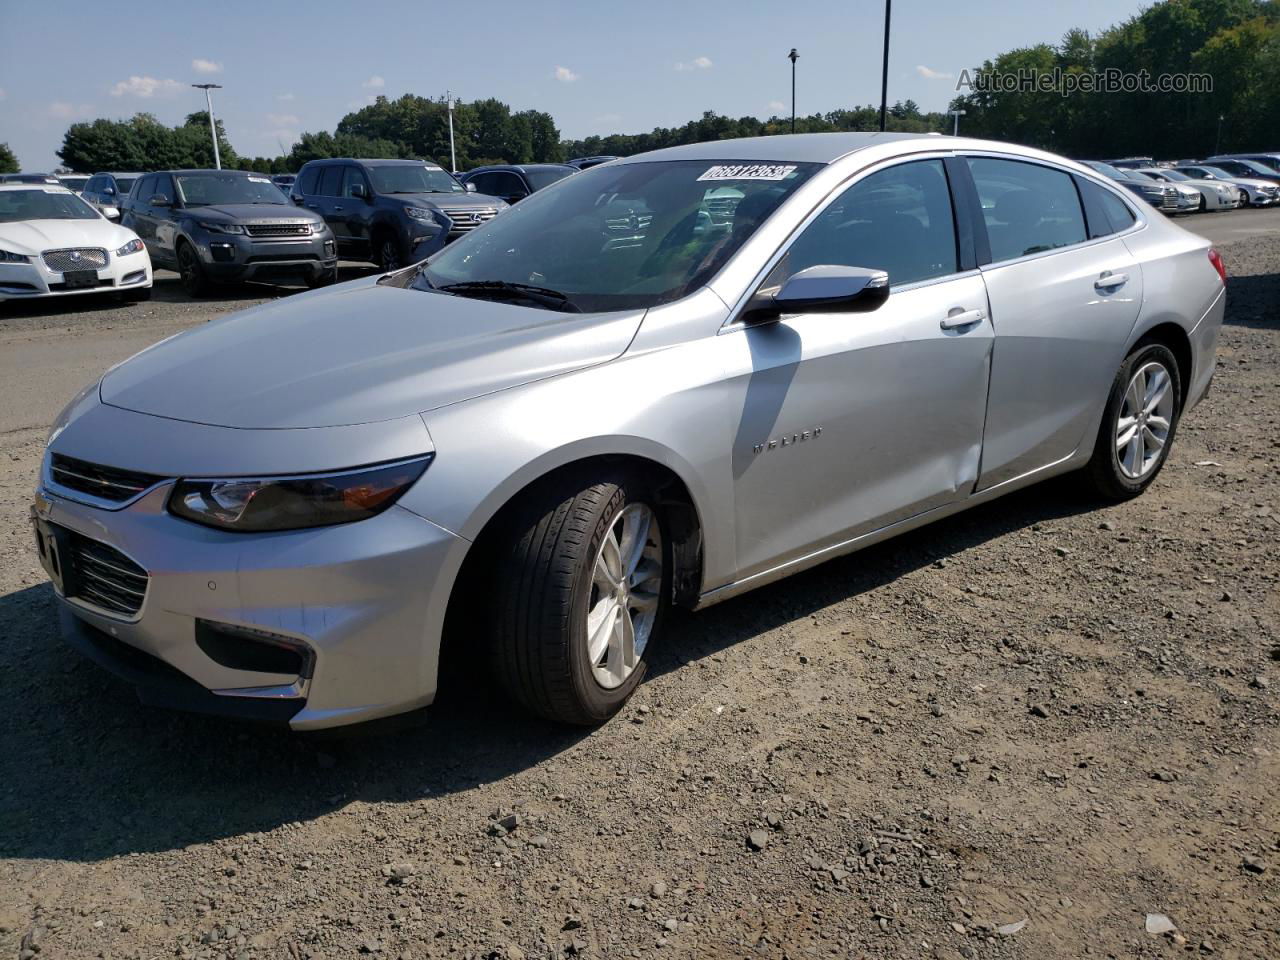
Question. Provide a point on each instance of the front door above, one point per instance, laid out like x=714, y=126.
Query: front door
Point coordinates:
x=851, y=422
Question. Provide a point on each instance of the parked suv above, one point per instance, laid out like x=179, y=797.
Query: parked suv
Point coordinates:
x=214, y=225
x=515, y=181
x=391, y=212
x=107, y=191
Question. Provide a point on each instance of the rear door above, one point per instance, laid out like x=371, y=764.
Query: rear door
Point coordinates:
x=164, y=219
x=136, y=215
x=1063, y=300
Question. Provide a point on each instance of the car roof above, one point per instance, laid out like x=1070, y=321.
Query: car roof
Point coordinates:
x=372, y=162
x=522, y=167
x=120, y=173
x=799, y=147
x=33, y=186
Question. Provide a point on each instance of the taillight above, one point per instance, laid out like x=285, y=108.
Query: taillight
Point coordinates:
x=1216, y=259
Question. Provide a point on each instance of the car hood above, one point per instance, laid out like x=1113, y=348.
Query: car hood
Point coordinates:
x=254, y=213
x=450, y=201
x=31, y=237
x=1248, y=182
x=358, y=353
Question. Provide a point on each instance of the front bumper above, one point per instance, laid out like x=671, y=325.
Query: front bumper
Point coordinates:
x=234, y=257
x=367, y=599
x=26, y=281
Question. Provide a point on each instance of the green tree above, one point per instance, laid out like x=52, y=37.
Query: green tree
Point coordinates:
x=8, y=162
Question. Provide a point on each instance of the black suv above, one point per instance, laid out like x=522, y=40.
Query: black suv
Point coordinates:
x=228, y=225
x=515, y=181
x=391, y=212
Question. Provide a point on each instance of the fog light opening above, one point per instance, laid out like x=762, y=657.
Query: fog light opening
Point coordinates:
x=259, y=651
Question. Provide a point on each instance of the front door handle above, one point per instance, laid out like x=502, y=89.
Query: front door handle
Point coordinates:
x=1110, y=281
x=337, y=207
x=958, y=317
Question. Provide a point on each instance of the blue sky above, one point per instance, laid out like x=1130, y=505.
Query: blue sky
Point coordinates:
x=599, y=67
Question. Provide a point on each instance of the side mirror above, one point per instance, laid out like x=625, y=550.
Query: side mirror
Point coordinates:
x=470, y=187
x=109, y=191
x=111, y=213
x=357, y=190
x=159, y=200
x=825, y=288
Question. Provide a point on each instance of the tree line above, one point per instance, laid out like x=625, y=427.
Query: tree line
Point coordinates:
x=1235, y=42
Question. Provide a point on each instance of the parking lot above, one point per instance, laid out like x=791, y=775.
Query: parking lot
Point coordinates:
x=1040, y=710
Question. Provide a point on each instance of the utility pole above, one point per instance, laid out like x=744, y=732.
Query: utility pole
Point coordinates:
x=1217, y=143
x=884, y=73
x=793, y=57
x=955, y=129
x=453, y=155
x=213, y=129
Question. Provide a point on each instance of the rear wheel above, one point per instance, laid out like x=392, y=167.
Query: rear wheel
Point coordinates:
x=193, y=277
x=1138, y=425
x=579, y=595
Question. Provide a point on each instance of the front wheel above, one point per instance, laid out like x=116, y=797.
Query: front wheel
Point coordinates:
x=193, y=277
x=580, y=592
x=389, y=255
x=1138, y=425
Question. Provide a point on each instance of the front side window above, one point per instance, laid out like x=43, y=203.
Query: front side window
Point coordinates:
x=209, y=189
x=1028, y=208
x=351, y=177
x=898, y=220
x=413, y=178
x=124, y=185
x=41, y=204
x=620, y=237
x=147, y=189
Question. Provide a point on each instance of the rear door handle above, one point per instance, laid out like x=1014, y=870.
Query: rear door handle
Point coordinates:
x=1109, y=281
x=958, y=317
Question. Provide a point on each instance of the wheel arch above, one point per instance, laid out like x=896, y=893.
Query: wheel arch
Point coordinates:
x=1173, y=336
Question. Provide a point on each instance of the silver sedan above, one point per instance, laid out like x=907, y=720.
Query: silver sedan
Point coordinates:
x=663, y=381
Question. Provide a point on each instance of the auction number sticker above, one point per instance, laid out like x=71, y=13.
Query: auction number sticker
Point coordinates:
x=259, y=180
x=749, y=171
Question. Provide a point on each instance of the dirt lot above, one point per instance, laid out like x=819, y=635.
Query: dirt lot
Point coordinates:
x=1014, y=734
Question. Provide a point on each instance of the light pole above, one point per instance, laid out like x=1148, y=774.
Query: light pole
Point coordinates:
x=884, y=74
x=955, y=129
x=213, y=129
x=793, y=57
x=453, y=156
x=1217, y=143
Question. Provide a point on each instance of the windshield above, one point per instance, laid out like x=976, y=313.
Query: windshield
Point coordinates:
x=1219, y=173
x=413, y=178
x=622, y=237
x=1139, y=175
x=124, y=185
x=1174, y=175
x=73, y=182
x=540, y=177
x=1270, y=164
x=208, y=189
x=43, y=204
x=1107, y=169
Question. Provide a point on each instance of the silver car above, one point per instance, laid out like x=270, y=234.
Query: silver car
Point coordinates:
x=529, y=447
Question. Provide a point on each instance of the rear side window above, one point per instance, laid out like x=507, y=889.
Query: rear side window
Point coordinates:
x=146, y=189
x=1104, y=212
x=306, y=183
x=1028, y=208
x=898, y=220
x=331, y=182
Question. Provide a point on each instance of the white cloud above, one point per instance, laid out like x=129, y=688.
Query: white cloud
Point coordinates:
x=206, y=66
x=929, y=74
x=374, y=83
x=285, y=97
x=565, y=75
x=61, y=110
x=776, y=105
x=697, y=63
x=283, y=120
x=2, y=93
x=146, y=87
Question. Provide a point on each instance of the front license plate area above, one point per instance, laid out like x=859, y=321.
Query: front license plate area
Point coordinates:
x=78, y=279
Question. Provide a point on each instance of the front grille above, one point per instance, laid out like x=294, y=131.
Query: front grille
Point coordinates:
x=466, y=220
x=77, y=258
x=1169, y=201
x=278, y=229
x=105, y=483
x=105, y=577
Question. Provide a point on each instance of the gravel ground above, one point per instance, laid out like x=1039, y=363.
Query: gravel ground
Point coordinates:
x=1014, y=734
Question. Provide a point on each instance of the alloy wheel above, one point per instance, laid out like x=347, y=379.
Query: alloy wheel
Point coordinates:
x=626, y=579
x=390, y=255
x=1146, y=417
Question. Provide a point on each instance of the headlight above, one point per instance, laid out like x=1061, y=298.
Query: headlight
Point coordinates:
x=222, y=227
x=133, y=246
x=7, y=257
x=293, y=503
x=319, y=228
x=421, y=213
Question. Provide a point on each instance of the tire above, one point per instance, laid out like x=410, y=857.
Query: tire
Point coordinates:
x=326, y=278
x=388, y=254
x=1204, y=204
x=1122, y=470
x=193, y=276
x=546, y=598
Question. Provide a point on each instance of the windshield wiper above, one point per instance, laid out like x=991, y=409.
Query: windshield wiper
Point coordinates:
x=552, y=299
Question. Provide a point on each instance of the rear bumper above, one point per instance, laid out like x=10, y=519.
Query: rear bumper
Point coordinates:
x=1204, y=343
